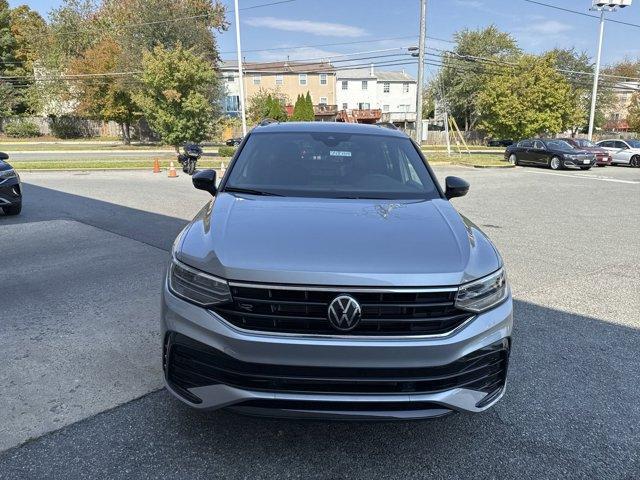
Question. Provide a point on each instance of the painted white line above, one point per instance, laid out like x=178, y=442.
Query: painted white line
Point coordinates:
x=585, y=177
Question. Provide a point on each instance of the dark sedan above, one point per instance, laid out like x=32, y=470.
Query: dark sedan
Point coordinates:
x=10, y=188
x=602, y=156
x=548, y=152
x=233, y=142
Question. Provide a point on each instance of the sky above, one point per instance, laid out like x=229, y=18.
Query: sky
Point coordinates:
x=310, y=29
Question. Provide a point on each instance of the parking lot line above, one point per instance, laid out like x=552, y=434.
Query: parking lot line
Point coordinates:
x=580, y=177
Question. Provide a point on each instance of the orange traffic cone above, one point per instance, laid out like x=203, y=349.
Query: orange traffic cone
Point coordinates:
x=156, y=165
x=172, y=170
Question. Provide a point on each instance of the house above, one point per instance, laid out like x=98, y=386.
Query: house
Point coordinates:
x=367, y=95
x=617, y=114
x=290, y=78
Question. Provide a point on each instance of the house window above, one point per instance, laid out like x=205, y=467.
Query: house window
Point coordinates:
x=230, y=78
x=365, y=85
x=386, y=87
x=256, y=79
x=405, y=87
x=323, y=100
x=344, y=106
x=345, y=85
x=232, y=103
x=323, y=79
x=364, y=106
x=402, y=108
x=279, y=79
x=385, y=108
x=302, y=78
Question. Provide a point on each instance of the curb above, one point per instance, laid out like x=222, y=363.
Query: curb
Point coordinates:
x=486, y=166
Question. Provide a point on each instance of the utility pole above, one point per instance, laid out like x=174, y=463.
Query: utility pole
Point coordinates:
x=240, y=75
x=601, y=6
x=423, y=32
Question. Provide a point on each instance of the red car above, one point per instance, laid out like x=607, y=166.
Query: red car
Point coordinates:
x=602, y=156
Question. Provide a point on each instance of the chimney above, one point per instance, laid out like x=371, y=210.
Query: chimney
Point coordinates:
x=372, y=74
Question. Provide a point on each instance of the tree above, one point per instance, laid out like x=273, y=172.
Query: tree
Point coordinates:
x=476, y=58
x=7, y=42
x=298, y=107
x=633, y=118
x=267, y=103
x=105, y=97
x=178, y=96
x=533, y=99
x=309, y=113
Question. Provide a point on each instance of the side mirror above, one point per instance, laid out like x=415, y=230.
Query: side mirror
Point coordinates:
x=205, y=180
x=4, y=156
x=455, y=187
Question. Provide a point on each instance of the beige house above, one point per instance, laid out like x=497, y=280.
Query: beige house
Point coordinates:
x=618, y=112
x=290, y=78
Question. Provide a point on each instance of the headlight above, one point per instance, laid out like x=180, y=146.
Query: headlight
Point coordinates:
x=483, y=294
x=7, y=174
x=196, y=286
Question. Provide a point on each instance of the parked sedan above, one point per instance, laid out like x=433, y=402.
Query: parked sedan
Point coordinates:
x=623, y=152
x=233, y=142
x=602, y=156
x=548, y=152
x=10, y=188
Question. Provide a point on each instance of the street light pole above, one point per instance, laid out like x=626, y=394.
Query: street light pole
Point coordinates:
x=596, y=76
x=423, y=28
x=240, y=75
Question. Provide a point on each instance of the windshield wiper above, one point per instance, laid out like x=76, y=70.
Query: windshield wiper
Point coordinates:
x=251, y=191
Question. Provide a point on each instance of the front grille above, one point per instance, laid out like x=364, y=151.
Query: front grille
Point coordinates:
x=305, y=311
x=190, y=364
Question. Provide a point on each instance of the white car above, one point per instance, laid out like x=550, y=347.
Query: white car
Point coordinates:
x=625, y=152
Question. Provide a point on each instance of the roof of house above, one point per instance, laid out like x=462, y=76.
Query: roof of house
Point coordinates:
x=387, y=76
x=355, y=73
x=279, y=67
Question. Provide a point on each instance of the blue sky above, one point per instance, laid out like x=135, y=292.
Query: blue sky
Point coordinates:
x=377, y=24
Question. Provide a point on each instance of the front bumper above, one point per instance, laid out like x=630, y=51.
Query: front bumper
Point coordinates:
x=10, y=192
x=283, y=375
x=568, y=162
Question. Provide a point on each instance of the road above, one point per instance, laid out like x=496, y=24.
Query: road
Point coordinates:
x=92, y=155
x=80, y=387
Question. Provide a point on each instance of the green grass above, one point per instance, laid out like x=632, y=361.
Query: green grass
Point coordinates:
x=454, y=149
x=475, y=160
x=110, y=164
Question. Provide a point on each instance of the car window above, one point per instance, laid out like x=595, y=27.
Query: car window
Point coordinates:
x=525, y=144
x=538, y=145
x=333, y=165
x=605, y=144
x=634, y=143
x=559, y=145
x=619, y=144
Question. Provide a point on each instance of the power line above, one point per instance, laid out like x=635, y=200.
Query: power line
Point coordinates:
x=582, y=13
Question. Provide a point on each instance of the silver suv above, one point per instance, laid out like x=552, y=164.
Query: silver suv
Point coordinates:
x=330, y=276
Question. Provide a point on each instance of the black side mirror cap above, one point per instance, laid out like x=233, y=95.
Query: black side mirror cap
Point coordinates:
x=455, y=187
x=205, y=180
x=4, y=156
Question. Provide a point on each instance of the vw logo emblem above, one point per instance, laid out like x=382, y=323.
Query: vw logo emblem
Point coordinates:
x=344, y=313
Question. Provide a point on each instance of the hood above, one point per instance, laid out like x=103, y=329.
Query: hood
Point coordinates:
x=336, y=242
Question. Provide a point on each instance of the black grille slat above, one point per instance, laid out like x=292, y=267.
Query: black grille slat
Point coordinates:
x=304, y=311
x=191, y=364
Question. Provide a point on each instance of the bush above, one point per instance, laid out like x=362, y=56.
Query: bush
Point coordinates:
x=69, y=127
x=226, y=151
x=22, y=129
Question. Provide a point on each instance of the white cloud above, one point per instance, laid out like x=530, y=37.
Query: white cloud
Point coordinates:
x=548, y=27
x=315, y=28
x=469, y=3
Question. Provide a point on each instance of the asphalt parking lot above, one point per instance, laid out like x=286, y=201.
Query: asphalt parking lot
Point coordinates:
x=80, y=385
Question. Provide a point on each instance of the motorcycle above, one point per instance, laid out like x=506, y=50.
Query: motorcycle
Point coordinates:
x=189, y=158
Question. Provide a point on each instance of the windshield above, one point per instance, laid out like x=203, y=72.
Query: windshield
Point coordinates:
x=634, y=143
x=332, y=165
x=581, y=142
x=559, y=145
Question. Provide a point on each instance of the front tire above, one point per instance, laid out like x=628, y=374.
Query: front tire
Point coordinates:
x=555, y=163
x=513, y=160
x=12, y=209
x=635, y=161
x=191, y=167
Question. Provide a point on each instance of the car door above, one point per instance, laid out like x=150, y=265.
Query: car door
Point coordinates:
x=622, y=152
x=539, y=153
x=608, y=146
x=523, y=151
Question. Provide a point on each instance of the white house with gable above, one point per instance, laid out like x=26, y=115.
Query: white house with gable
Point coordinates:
x=368, y=95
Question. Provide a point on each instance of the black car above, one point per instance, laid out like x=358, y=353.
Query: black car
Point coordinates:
x=10, y=188
x=549, y=152
x=234, y=142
